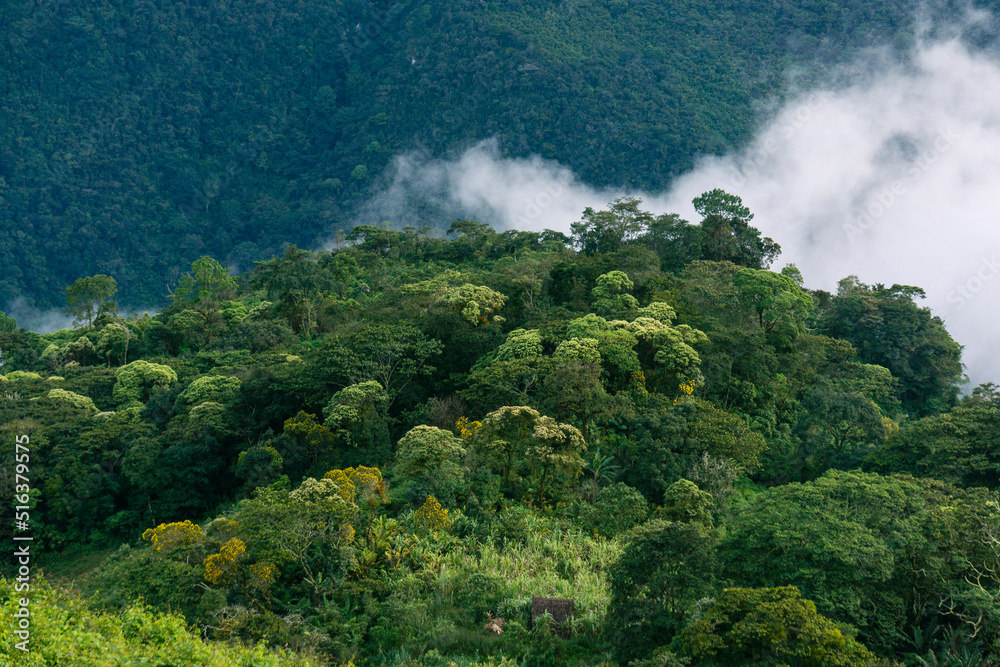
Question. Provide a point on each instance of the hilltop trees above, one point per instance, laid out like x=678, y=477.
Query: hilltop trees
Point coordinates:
x=728, y=236
x=888, y=328
x=88, y=298
x=380, y=452
x=723, y=235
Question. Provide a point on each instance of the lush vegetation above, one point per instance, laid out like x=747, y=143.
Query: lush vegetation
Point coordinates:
x=383, y=452
x=138, y=136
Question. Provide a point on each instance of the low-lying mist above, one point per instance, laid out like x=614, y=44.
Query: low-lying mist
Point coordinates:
x=892, y=174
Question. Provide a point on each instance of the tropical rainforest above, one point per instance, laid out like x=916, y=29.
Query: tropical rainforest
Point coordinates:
x=386, y=452
x=139, y=135
x=275, y=436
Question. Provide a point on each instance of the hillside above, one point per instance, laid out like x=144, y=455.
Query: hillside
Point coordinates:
x=382, y=453
x=136, y=136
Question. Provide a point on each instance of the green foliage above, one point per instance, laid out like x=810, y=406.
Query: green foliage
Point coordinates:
x=781, y=305
x=357, y=414
x=520, y=344
x=477, y=304
x=961, y=446
x=889, y=329
x=617, y=509
x=684, y=502
x=665, y=569
x=390, y=354
x=75, y=634
x=611, y=295
x=207, y=281
x=578, y=349
x=217, y=388
x=728, y=234
x=868, y=550
x=297, y=528
x=768, y=626
x=83, y=403
x=574, y=388
x=132, y=574
x=527, y=448
x=267, y=401
x=431, y=459
x=90, y=297
x=607, y=231
x=135, y=381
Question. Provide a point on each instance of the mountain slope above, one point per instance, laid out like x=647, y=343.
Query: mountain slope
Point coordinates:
x=137, y=135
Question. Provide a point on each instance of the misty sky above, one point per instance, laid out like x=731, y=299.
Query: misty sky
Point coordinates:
x=892, y=175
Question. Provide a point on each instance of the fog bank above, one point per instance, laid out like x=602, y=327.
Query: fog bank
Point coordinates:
x=891, y=174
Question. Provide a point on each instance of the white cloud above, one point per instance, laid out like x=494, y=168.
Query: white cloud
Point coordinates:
x=894, y=179
x=892, y=173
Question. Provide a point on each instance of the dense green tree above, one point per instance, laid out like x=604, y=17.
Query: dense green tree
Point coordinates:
x=357, y=414
x=684, y=502
x=782, y=307
x=136, y=380
x=961, y=446
x=88, y=298
x=665, y=569
x=296, y=528
x=525, y=447
x=574, y=389
x=728, y=235
x=838, y=429
x=514, y=381
x=297, y=283
x=611, y=296
x=617, y=509
x=879, y=553
x=431, y=459
x=208, y=280
x=675, y=241
x=608, y=231
x=768, y=627
x=390, y=354
x=889, y=329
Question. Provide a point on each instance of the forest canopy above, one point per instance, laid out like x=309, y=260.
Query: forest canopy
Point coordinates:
x=383, y=452
x=136, y=137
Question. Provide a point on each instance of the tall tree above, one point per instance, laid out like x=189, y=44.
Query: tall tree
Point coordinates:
x=87, y=298
x=889, y=329
x=607, y=231
x=728, y=234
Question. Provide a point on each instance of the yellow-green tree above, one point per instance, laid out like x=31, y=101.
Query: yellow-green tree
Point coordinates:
x=772, y=627
x=135, y=381
x=432, y=459
x=477, y=304
x=522, y=445
x=304, y=527
x=87, y=298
